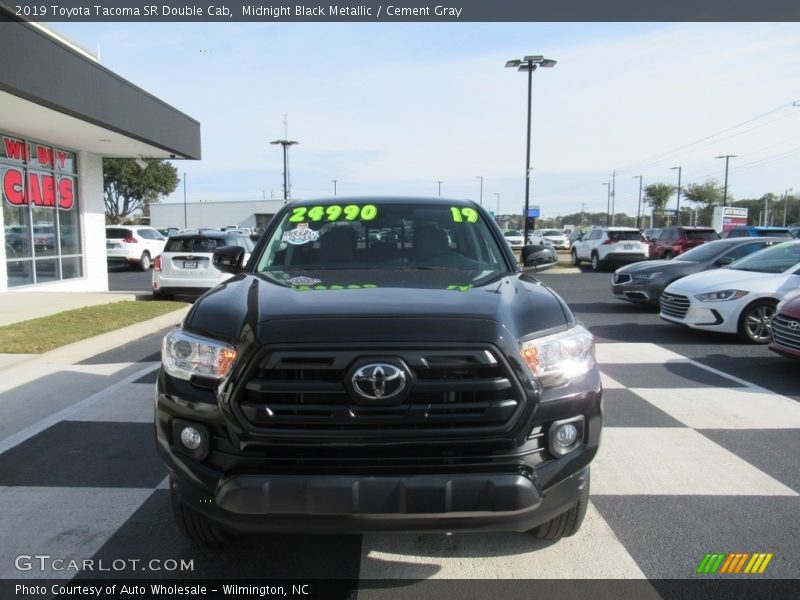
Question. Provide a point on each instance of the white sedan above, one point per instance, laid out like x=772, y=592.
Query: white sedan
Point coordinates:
x=552, y=237
x=739, y=299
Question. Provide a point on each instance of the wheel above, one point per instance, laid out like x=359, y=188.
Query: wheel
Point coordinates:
x=573, y=259
x=567, y=523
x=597, y=264
x=754, y=322
x=668, y=255
x=195, y=526
x=144, y=261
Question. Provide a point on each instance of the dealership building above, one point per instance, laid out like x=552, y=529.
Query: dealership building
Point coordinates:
x=61, y=113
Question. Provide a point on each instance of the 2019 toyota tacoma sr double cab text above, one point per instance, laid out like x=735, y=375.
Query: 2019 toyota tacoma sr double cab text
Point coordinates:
x=378, y=365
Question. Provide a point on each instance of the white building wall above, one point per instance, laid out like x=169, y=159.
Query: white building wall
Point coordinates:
x=211, y=214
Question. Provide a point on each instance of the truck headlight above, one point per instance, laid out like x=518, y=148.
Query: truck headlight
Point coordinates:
x=185, y=354
x=555, y=359
x=721, y=296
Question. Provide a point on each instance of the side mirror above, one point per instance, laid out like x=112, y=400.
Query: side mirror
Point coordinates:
x=724, y=261
x=529, y=256
x=229, y=259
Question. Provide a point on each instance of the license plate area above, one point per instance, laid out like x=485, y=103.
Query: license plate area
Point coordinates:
x=627, y=247
x=190, y=264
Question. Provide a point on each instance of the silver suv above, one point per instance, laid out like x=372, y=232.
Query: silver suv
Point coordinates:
x=606, y=246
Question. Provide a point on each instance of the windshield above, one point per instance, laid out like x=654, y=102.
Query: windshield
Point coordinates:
x=707, y=235
x=388, y=237
x=775, y=259
x=118, y=233
x=773, y=233
x=703, y=252
x=201, y=243
x=552, y=232
x=512, y=233
x=632, y=235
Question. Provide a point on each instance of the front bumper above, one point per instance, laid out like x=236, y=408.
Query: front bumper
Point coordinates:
x=710, y=316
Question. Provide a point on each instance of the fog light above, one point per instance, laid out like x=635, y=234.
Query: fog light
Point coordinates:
x=565, y=436
x=191, y=438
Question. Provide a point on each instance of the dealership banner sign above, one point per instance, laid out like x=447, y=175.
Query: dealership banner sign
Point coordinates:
x=23, y=185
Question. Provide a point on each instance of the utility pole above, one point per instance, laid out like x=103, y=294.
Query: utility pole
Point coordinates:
x=440, y=188
x=497, y=194
x=613, y=195
x=638, y=206
x=727, y=158
x=583, y=208
x=481, y=197
x=678, y=207
x=334, y=188
x=286, y=142
x=185, y=226
x=608, y=204
x=785, y=205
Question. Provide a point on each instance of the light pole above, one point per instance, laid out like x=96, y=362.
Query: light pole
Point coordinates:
x=613, y=196
x=608, y=203
x=481, y=178
x=185, y=226
x=497, y=194
x=528, y=65
x=727, y=158
x=678, y=207
x=285, y=144
x=638, y=206
x=334, y=187
x=440, y=188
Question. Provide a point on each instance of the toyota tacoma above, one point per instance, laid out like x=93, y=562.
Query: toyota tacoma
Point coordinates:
x=378, y=365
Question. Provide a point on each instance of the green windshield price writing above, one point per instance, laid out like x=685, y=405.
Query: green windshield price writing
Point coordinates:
x=464, y=215
x=334, y=212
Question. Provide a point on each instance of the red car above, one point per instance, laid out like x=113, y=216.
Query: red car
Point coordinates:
x=786, y=328
x=673, y=241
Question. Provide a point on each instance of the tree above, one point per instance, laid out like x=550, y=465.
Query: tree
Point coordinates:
x=129, y=188
x=656, y=195
x=704, y=196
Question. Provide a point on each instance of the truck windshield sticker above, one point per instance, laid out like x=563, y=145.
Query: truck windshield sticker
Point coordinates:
x=296, y=281
x=464, y=215
x=334, y=212
x=301, y=235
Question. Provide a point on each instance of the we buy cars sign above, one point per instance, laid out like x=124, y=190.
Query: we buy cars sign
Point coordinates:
x=25, y=186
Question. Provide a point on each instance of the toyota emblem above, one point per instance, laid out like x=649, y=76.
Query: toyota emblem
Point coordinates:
x=379, y=381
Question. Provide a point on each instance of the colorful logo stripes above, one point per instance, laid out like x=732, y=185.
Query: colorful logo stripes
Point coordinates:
x=734, y=563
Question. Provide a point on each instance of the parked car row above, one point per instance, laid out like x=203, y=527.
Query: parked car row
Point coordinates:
x=749, y=286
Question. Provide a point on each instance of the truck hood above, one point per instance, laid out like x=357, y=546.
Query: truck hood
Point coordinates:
x=371, y=304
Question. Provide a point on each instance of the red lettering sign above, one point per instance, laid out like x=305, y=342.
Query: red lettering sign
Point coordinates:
x=15, y=149
x=61, y=156
x=12, y=187
x=66, y=195
x=45, y=156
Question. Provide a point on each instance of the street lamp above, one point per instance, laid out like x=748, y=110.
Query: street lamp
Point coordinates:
x=497, y=194
x=639, y=206
x=786, y=204
x=528, y=65
x=481, y=178
x=678, y=208
x=334, y=187
x=727, y=157
x=285, y=144
x=608, y=204
x=185, y=226
x=440, y=187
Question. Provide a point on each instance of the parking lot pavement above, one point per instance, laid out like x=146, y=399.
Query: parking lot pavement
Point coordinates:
x=692, y=461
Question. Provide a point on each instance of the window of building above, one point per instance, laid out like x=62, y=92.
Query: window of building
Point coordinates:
x=39, y=185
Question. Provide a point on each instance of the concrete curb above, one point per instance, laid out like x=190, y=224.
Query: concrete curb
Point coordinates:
x=75, y=352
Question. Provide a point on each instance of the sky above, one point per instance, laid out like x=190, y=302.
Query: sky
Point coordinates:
x=394, y=108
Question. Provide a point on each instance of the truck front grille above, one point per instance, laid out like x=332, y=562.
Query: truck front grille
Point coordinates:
x=456, y=391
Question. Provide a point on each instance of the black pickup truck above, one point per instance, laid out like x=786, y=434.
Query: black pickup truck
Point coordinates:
x=378, y=365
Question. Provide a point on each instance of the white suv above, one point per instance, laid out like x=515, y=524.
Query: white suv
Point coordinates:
x=135, y=245
x=605, y=246
x=552, y=237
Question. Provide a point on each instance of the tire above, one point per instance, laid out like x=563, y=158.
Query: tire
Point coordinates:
x=573, y=259
x=567, y=523
x=597, y=264
x=754, y=322
x=668, y=255
x=195, y=526
x=144, y=261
